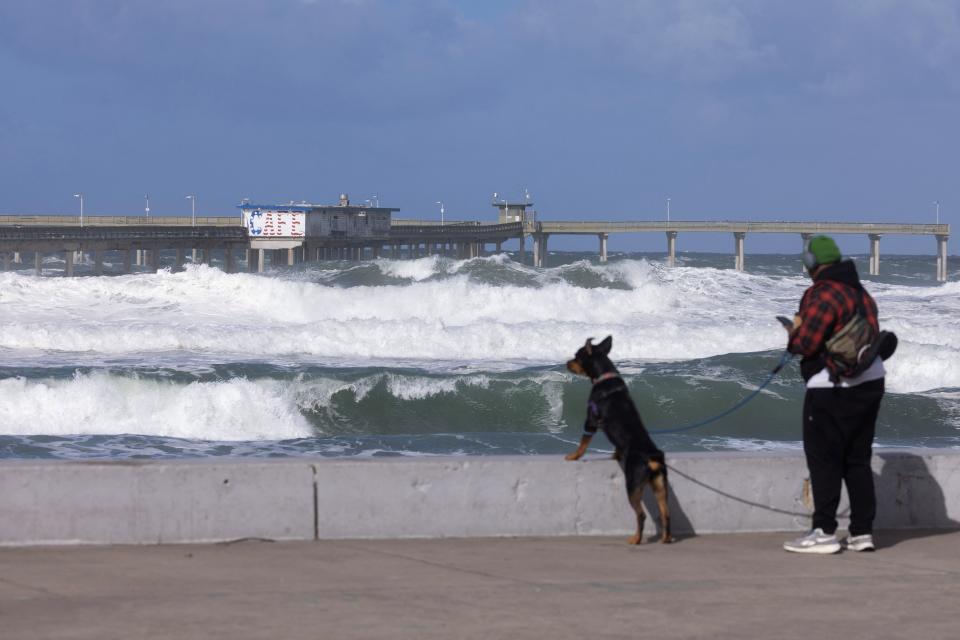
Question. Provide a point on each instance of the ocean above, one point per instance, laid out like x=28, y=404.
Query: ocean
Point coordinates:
x=438, y=356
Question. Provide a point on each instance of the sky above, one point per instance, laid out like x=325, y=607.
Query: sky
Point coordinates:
x=602, y=109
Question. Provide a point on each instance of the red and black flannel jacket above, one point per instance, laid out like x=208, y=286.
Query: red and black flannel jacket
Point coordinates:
x=825, y=308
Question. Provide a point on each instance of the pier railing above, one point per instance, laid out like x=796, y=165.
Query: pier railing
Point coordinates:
x=121, y=221
x=733, y=226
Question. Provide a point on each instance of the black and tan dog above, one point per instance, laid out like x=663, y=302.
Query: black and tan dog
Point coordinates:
x=610, y=408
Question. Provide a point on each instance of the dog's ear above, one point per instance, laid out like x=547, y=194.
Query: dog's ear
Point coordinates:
x=588, y=345
x=604, y=347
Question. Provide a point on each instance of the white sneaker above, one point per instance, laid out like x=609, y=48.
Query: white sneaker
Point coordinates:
x=815, y=541
x=860, y=543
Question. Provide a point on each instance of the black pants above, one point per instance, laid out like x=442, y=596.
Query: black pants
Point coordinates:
x=838, y=428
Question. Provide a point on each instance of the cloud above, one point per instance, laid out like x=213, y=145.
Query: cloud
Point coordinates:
x=353, y=60
x=699, y=41
x=330, y=57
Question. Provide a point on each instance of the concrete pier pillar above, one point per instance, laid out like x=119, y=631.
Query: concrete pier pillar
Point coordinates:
x=499, y=246
x=206, y=255
x=874, y=254
x=38, y=262
x=179, y=260
x=68, y=263
x=540, y=249
x=153, y=260
x=671, y=248
x=942, y=261
x=17, y=259
x=98, y=262
x=738, y=237
x=6, y=261
x=603, y=246
x=523, y=246
x=229, y=263
x=805, y=238
x=291, y=257
x=127, y=260
x=261, y=259
x=193, y=256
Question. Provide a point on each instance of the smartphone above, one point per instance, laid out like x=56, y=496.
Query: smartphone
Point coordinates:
x=785, y=321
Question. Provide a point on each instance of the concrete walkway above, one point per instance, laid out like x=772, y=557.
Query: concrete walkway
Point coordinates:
x=722, y=586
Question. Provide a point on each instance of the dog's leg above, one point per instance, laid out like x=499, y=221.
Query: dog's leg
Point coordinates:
x=661, y=491
x=636, y=501
x=582, y=449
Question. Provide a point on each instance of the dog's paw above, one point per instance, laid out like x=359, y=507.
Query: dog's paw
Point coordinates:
x=667, y=539
x=635, y=539
x=572, y=456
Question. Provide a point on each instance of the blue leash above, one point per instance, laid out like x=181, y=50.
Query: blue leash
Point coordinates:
x=783, y=361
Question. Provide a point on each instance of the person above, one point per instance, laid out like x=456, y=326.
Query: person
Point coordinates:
x=839, y=412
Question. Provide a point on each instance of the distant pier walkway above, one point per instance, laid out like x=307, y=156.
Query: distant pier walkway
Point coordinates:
x=541, y=232
x=143, y=238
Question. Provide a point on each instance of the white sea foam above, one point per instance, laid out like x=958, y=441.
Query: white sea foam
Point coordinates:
x=99, y=403
x=664, y=314
x=231, y=410
x=418, y=269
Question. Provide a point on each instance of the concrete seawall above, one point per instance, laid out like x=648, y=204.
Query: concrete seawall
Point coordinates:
x=150, y=502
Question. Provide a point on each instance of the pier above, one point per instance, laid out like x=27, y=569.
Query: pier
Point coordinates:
x=540, y=231
x=139, y=239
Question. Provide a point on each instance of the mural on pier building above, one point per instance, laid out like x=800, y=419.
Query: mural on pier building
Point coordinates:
x=272, y=223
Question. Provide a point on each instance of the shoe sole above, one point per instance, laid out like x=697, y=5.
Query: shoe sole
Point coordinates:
x=867, y=549
x=822, y=549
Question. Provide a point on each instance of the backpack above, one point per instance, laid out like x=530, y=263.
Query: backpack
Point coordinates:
x=853, y=349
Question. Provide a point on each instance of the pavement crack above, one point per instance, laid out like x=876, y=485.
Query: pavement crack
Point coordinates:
x=28, y=587
x=450, y=567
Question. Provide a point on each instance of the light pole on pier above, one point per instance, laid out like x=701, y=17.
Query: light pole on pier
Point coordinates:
x=937, y=204
x=80, y=195
x=146, y=208
x=441, y=212
x=668, y=210
x=193, y=209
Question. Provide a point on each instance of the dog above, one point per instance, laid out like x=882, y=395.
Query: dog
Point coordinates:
x=610, y=408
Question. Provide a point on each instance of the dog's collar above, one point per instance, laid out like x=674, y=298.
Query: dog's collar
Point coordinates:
x=609, y=375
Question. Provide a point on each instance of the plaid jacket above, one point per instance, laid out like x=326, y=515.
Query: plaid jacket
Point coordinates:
x=825, y=308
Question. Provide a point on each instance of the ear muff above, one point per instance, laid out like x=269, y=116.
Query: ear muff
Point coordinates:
x=809, y=260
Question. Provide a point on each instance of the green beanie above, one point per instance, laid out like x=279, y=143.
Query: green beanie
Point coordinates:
x=824, y=249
